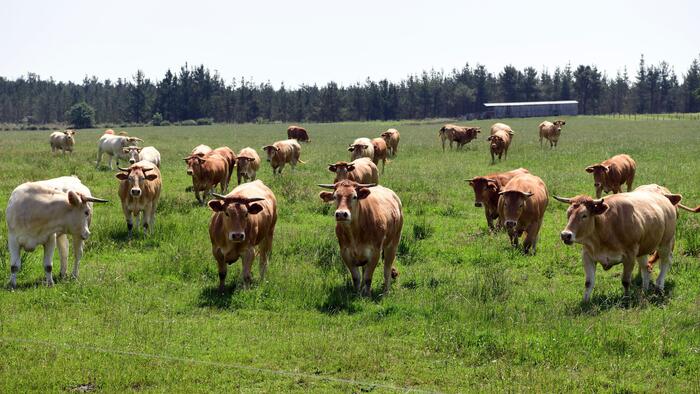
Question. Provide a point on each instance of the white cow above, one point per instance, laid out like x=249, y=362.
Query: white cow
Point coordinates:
x=62, y=140
x=44, y=213
x=148, y=153
x=362, y=147
x=113, y=145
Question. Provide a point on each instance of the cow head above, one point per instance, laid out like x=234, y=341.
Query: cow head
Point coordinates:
x=485, y=190
x=70, y=136
x=236, y=211
x=128, y=141
x=80, y=213
x=346, y=195
x=271, y=151
x=136, y=176
x=600, y=174
x=497, y=142
x=559, y=123
x=133, y=153
x=194, y=163
x=513, y=205
x=243, y=162
x=341, y=169
x=580, y=215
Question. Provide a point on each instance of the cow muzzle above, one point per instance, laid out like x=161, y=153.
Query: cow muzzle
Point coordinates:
x=597, y=184
x=510, y=223
x=478, y=204
x=189, y=172
x=135, y=192
x=342, y=216
x=132, y=161
x=567, y=237
x=236, y=236
x=85, y=234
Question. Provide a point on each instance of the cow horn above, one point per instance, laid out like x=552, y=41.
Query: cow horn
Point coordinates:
x=217, y=195
x=360, y=185
x=254, y=199
x=187, y=158
x=562, y=199
x=124, y=169
x=146, y=169
x=491, y=180
x=598, y=201
x=327, y=185
x=94, y=199
x=137, y=139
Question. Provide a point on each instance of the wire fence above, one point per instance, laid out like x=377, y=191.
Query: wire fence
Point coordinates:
x=666, y=116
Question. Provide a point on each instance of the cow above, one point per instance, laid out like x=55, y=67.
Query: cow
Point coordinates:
x=243, y=221
x=392, y=137
x=622, y=228
x=45, y=213
x=610, y=174
x=379, y=147
x=298, y=133
x=361, y=147
x=63, y=141
x=499, y=142
x=200, y=150
x=369, y=220
x=551, y=132
x=502, y=126
x=148, y=153
x=113, y=145
x=486, y=189
x=226, y=153
x=207, y=172
x=248, y=163
x=362, y=170
x=109, y=131
x=521, y=207
x=139, y=192
x=451, y=132
x=281, y=153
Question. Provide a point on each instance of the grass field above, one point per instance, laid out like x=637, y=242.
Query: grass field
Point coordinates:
x=467, y=313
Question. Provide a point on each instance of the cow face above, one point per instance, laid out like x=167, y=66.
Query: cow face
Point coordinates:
x=244, y=163
x=346, y=195
x=70, y=136
x=341, y=169
x=137, y=177
x=485, y=190
x=271, y=151
x=497, y=142
x=79, y=215
x=513, y=205
x=600, y=174
x=236, y=215
x=581, y=214
x=133, y=153
x=194, y=163
x=559, y=123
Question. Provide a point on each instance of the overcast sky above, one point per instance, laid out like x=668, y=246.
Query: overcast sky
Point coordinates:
x=318, y=41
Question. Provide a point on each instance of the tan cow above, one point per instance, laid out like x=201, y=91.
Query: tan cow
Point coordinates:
x=622, y=228
x=281, y=153
x=148, y=153
x=369, y=220
x=243, y=221
x=502, y=126
x=486, y=189
x=499, y=144
x=392, y=137
x=609, y=175
x=379, y=146
x=248, y=163
x=63, y=141
x=362, y=170
x=139, y=192
x=521, y=207
x=551, y=132
x=461, y=134
x=200, y=150
x=361, y=147
x=207, y=172
x=298, y=133
x=226, y=153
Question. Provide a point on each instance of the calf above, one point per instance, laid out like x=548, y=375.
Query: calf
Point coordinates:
x=298, y=133
x=622, y=228
x=148, y=153
x=362, y=170
x=521, y=207
x=361, y=147
x=499, y=143
x=486, y=189
x=248, y=163
x=281, y=153
x=139, y=192
x=44, y=213
x=369, y=220
x=113, y=145
x=609, y=175
x=551, y=132
x=207, y=171
x=243, y=221
x=63, y=141
x=392, y=138
x=379, y=147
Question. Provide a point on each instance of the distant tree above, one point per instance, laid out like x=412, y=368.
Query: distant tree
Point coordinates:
x=529, y=84
x=587, y=82
x=81, y=115
x=157, y=119
x=140, y=98
x=691, y=87
x=508, y=81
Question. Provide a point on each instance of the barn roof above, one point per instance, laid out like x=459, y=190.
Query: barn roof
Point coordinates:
x=523, y=103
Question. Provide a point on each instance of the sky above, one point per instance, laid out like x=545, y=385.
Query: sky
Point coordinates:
x=309, y=42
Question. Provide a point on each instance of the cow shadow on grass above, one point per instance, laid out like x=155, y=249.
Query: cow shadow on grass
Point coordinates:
x=638, y=298
x=343, y=298
x=211, y=297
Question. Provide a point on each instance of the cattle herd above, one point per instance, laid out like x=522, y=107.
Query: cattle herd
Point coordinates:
x=621, y=228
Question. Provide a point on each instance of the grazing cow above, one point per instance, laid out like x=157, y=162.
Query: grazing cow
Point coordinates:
x=499, y=144
x=622, y=228
x=139, y=191
x=551, y=132
x=281, y=153
x=207, y=171
x=379, y=147
x=298, y=133
x=226, y=153
x=521, y=208
x=392, y=138
x=248, y=163
x=502, y=126
x=486, y=189
x=362, y=170
x=243, y=220
x=62, y=140
x=368, y=219
x=113, y=145
x=362, y=147
x=609, y=175
x=44, y=213
x=461, y=134
x=148, y=153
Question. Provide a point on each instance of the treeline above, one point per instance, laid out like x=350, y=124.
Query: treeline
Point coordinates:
x=196, y=92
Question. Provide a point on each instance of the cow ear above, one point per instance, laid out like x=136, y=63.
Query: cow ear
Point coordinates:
x=363, y=193
x=599, y=208
x=471, y=183
x=254, y=208
x=674, y=198
x=326, y=196
x=351, y=167
x=217, y=205
x=332, y=168
x=606, y=168
x=589, y=169
x=489, y=139
x=151, y=177
x=122, y=176
x=74, y=199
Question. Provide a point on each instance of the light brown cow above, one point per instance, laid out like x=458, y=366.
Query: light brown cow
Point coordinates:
x=461, y=134
x=379, y=146
x=298, y=133
x=502, y=126
x=207, y=172
x=486, y=189
x=622, y=228
x=226, y=153
x=200, y=150
x=551, y=132
x=248, y=163
x=369, y=220
x=609, y=175
x=362, y=170
x=63, y=141
x=281, y=153
x=361, y=147
x=392, y=138
x=139, y=192
x=499, y=144
x=521, y=208
x=243, y=221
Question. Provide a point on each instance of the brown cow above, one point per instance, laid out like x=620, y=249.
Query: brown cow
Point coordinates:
x=379, y=146
x=502, y=126
x=622, y=228
x=465, y=136
x=452, y=132
x=281, y=153
x=200, y=150
x=499, y=144
x=248, y=164
x=392, y=138
x=243, y=221
x=369, y=220
x=207, y=172
x=551, y=132
x=226, y=153
x=139, y=191
x=521, y=208
x=298, y=133
x=609, y=175
x=486, y=189
x=362, y=170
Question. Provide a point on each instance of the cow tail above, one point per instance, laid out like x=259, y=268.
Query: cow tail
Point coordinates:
x=694, y=210
x=302, y=162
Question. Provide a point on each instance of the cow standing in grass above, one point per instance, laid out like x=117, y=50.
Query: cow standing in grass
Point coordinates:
x=521, y=207
x=248, y=164
x=499, y=142
x=281, y=153
x=362, y=170
x=63, y=141
x=139, y=192
x=611, y=174
x=361, y=147
x=298, y=133
x=207, y=172
x=392, y=138
x=380, y=150
x=148, y=153
x=113, y=145
x=551, y=132
x=486, y=189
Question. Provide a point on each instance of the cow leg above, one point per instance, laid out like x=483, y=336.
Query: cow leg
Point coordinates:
x=78, y=244
x=99, y=158
x=265, y=250
x=49, y=246
x=643, y=271
x=513, y=235
x=627, y=268
x=368, y=272
x=15, y=259
x=111, y=157
x=238, y=175
x=354, y=270
x=629, y=184
x=389, y=256
x=147, y=213
x=493, y=158
x=665, y=265
x=589, y=267
x=540, y=140
x=247, y=265
x=488, y=218
x=223, y=269
x=443, y=144
x=129, y=219
x=62, y=243
x=598, y=192
x=383, y=164
x=199, y=199
x=531, y=240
